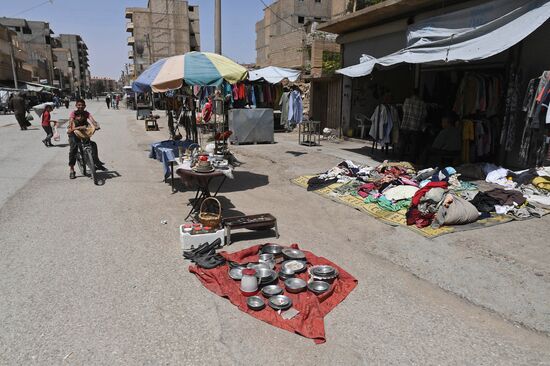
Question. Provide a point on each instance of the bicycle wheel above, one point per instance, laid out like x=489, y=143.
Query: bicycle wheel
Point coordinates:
x=90, y=164
x=80, y=161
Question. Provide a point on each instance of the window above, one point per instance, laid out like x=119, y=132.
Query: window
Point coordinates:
x=27, y=30
x=18, y=29
x=301, y=20
x=48, y=40
x=318, y=1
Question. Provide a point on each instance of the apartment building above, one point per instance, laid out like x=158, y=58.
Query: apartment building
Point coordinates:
x=35, y=40
x=64, y=69
x=287, y=35
x=103, y=84
x=9, y=44
x=164, y=28
x=79, y=57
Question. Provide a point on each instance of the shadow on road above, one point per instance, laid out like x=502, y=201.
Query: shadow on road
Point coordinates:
x=102, y=177
x=244, y=181
x=296, y=153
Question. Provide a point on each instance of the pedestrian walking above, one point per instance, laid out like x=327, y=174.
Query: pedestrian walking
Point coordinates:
x=47, y=125
x=18, y=106
x=117, y=101
x=108, y=101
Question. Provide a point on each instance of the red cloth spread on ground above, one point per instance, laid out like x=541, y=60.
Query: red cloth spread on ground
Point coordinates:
x=313, y=308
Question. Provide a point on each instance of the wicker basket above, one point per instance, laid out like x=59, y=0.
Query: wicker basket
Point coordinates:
x=209, y=218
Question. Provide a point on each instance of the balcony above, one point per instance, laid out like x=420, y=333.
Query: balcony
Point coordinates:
x=129, y=13
x=131, y=41
x=129, y=26
x=130, y=54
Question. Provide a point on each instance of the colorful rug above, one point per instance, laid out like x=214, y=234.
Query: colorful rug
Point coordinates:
x=397, y=218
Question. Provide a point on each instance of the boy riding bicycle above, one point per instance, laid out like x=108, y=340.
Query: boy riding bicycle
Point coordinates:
x=84, y=129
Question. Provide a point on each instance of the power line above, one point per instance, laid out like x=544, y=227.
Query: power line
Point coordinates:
x=278, y=16
x=33, y=7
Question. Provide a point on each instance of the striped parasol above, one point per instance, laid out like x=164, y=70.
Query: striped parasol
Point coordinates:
x=193, y=68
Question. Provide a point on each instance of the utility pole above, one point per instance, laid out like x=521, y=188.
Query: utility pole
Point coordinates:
x=14, y=70
x=218, y=27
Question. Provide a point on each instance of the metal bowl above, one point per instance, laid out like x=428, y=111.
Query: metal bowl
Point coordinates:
x=291, y=253
x=258, y=266
x=236, y=273
x=255, y=303
x=271, y=290
x=323, y=270
x=318, y=287
x=284, y=276
x=266, y=275
x=293, y=266
x=266, y=257
x=274, y=249
x=280, y=302
x=295, y=285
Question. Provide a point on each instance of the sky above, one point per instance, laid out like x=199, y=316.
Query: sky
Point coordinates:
x=101, y=24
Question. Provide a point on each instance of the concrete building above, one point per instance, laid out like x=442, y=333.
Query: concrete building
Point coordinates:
x=164, y=28
x=35, y=39
x=64, y=70
x=287, y=35
x=80, y=65
x=385, y=28
x=103, y=84
x=9, y=44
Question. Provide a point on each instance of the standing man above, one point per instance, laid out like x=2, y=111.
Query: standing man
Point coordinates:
x=18, y=106
x=412, y=125
x=108, y=101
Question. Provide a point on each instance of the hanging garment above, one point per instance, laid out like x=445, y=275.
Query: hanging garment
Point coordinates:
x=468, y=137
x=252, y=96
x=283, y=103
x=295, y=107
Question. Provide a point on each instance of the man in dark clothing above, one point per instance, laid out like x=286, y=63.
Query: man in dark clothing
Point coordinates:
x=18, y=106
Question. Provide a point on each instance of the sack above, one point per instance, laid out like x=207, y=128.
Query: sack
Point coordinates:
x=29, y=117
x=459, y=212
x=56, y=136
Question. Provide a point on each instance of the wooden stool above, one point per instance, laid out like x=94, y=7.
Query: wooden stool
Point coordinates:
x=151, y=123
x=262, y=222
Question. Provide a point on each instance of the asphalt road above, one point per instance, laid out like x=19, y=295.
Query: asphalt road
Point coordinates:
x=89, y=275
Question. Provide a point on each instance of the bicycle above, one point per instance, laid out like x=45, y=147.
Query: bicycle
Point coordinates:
x=85, y=160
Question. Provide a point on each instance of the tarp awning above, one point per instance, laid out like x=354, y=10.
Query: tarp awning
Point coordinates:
x=38, y=87
x=470, y=34
x=273, y=74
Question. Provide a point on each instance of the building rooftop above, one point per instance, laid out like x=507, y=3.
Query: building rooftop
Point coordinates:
x=380, y=13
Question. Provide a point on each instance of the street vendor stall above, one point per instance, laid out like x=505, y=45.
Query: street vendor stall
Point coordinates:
x=283, y=286
x=434, y=201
